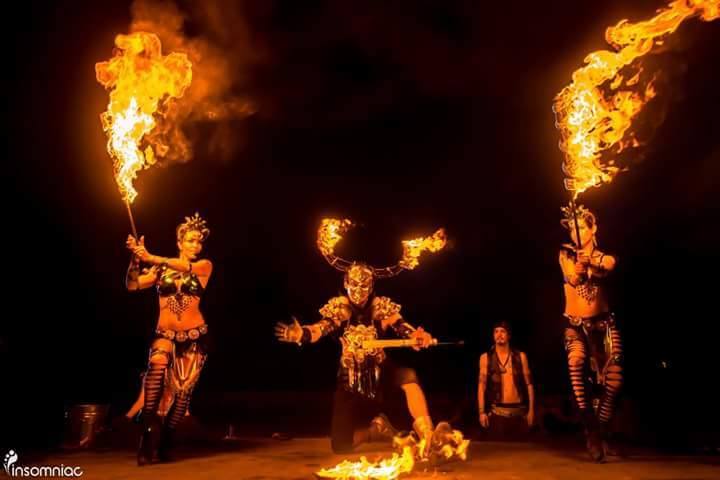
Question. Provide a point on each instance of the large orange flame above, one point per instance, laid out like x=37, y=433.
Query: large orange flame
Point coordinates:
x=330, y=233
x=387, y=469
x=595, y=112
x=412, y=249
x=142, y=84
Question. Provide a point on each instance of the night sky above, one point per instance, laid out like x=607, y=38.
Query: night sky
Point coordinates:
x=404, y=117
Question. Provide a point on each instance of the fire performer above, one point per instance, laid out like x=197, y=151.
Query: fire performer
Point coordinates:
x=592, y=340
x=179, y=349
x=367, y=378
x=595, y=114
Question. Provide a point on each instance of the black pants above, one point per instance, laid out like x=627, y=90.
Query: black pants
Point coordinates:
x=507, y=428
x=352, y=411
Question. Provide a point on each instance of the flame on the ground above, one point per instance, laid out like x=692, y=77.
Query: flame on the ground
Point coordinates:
x=595, y=112
x=412, y=249
x=455, y=447
x=331, y=231
x=388, y=469
x=142, y=84
x=445, y=445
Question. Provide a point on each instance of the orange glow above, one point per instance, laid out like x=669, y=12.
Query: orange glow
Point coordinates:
x=388, y=469
x=456, y=448
x=330, y=233
x=412, y=249
x=142, y=84
x=595, y=112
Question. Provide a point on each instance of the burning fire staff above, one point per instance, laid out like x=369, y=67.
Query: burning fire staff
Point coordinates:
x=592, y=341
x=179, y=349
x=366, y=376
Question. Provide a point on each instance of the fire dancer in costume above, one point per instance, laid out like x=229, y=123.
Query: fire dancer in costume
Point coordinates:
x=592, y=340
x=179, y=350
x=506, y=396
x=366, y=376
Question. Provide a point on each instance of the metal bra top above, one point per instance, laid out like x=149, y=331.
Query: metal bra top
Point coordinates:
x=167, y=283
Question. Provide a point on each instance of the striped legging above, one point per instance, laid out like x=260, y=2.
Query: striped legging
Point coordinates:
x=603, y=341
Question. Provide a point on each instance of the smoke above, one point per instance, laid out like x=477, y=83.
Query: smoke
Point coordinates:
x=214, y=35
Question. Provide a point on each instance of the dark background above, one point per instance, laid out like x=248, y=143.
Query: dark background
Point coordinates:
x=404, y=117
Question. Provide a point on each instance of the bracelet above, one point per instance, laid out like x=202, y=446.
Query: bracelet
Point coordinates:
x=600, y=261
x=403, y=329
x=306, y=336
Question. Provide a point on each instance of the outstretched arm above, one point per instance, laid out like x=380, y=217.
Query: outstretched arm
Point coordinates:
x=403, y=329
x=302, y=334
x=387, y=313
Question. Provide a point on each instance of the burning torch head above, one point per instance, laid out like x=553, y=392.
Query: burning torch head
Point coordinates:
x=191, y=234
x=587, y=224
x=359, y=280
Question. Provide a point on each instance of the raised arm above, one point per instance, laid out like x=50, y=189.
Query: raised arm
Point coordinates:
x=201, y=268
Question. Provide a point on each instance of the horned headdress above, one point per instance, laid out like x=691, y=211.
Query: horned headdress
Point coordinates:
x=331, y=231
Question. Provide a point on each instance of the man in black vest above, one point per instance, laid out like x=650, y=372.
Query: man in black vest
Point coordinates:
x=506, y=397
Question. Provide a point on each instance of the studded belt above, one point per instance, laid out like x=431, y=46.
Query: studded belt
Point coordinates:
x=183, y=335
x=598, y=322
x=509, y=412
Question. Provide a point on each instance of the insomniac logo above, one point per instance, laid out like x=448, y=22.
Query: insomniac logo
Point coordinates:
x=12, y=469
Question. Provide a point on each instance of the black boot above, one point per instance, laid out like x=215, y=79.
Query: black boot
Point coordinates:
x=593, y=439
x=166, y=444
x=148, y=442
x=610, y=446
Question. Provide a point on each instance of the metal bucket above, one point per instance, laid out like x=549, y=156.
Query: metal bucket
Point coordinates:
x=83, y=423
